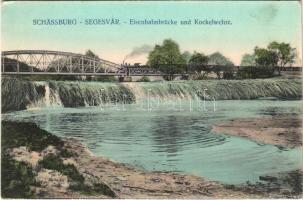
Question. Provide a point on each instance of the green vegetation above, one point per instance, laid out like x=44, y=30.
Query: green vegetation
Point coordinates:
x=248, y=60
x=67, y=154
x=186, y=55
x=203, y=65
x=198, y=63
x=284, y=54
x=264, y=61
x=49, y=77
x=91, y=54
x=11, y=66
x=218, y=58
x=18, y=177
x=261, y=64
x=77, y=181
x=102, y=78
x=67, y=78
x=144, y=79
x=102, y=188
x=54, y=162
x=253, y=72
x=265, y=57
x=222, y=64
x=27, y=134
x=167, y=58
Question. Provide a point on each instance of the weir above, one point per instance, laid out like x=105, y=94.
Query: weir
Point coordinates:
x=20, y=94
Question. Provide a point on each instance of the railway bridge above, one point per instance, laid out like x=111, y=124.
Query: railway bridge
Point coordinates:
x=54, y=62
x=45, y=62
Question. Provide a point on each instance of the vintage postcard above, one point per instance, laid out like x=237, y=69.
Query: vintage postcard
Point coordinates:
x=151, y=99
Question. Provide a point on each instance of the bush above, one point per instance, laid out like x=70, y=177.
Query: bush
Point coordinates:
x=16, y=178
x=228, y=75
x=26, y=134
x=67, y=154
x=54, y=162
x=199, y=77
x=104, y=189
x=72, y=172
x=144, y=79
x=50, y=77
x=254, y=72
x=184, y=77
x=103, y=78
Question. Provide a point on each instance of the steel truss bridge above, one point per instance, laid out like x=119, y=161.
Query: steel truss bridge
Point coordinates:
x=54, y=62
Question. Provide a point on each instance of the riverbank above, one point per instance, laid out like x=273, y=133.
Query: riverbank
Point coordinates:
x=283, y=131
x=38, y=164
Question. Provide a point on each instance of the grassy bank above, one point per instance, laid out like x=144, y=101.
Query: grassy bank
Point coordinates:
x=19, y=178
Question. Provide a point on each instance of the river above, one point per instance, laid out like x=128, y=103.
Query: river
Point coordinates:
x=173, y=135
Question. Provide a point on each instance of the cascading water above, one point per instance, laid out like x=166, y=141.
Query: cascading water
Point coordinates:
x=47, y=95
x=221, y=89
x=77, y=94
x=19, y=95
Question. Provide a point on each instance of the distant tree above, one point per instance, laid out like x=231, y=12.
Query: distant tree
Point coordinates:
x=91, y=54
x=198, y=63
x=218, y=59
x=266, y=61
x=265, y=57
x=186, y=55
x=155, y=57
x=285, y=54
x=167, y=58
x=248, y=60
x=221, y=63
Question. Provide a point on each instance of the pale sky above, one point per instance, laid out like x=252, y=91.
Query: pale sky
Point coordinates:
x=254, y=23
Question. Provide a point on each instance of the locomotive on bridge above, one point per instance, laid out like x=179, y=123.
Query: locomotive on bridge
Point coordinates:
x=137, y=70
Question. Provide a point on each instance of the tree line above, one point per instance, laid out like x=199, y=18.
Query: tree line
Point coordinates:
x=168, y=58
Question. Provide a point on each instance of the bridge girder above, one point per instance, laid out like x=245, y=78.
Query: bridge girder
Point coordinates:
x=54, y=61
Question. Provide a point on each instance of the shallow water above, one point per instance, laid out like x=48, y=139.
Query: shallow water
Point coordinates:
x=174, y=136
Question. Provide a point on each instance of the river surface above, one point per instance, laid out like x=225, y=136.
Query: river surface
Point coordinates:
x=173, y=136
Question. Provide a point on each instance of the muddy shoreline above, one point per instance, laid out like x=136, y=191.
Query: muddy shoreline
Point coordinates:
x=117, y=180
x=129, y=182
x=282, y=131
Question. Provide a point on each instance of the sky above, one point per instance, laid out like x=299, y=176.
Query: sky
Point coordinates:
x=254, y=23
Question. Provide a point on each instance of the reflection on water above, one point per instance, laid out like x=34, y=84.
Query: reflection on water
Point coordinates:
x=174, y=133
x=167, y=138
